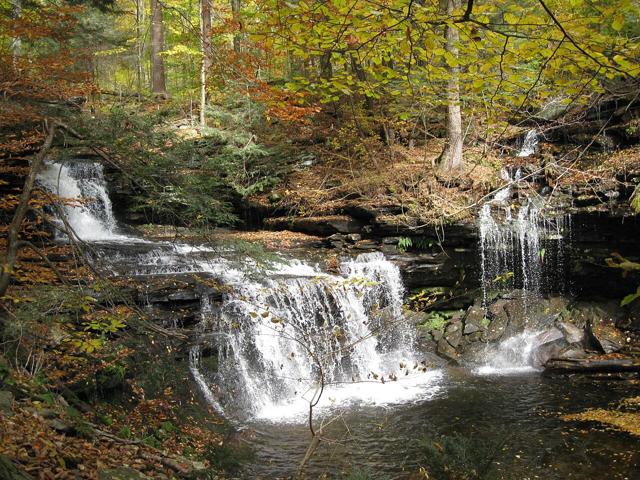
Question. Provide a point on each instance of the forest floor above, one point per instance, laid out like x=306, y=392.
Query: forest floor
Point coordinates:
x=406, y=179
x=90, y=389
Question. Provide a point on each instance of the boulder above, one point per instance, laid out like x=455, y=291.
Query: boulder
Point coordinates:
x=416, y=318
x=605, y=336
x=437, y=335
x=553, y=343
x=337, y=240
x=474, y=319
x=549, y=350
x=453, y=334
x=499, y=321
x=527, y=311
x=572, y=334
x=59, y=426
x=583, y=313
x=473, y=337
x=471, y=327
x=354, y=237
x=446, y=351
x=549, y=335
x=426, y=342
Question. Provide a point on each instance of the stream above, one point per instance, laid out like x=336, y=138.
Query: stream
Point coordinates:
x=509, y=421
x=290, y=331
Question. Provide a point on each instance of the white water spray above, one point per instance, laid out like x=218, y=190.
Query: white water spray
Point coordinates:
x=520, y=248
x=285, y=329
x=86, y=204
x=289, y=336
x=529, y=144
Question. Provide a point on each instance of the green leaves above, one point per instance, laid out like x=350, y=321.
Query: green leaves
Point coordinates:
x=618, y=22
x=630, y=298
x=515, y=54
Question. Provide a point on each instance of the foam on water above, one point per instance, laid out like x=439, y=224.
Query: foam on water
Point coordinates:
x=415, y=387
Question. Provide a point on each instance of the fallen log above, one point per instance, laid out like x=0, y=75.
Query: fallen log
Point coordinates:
x=591, y=365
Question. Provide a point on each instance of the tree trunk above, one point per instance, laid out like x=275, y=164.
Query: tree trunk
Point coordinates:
x=360, y=74
x=13, y=233
x=140, y=17
x=326, y=68
x=16, y=42
x=205, y=43
x=158, y=81
x=452, y=156
x=237, y=36
x=589, y=365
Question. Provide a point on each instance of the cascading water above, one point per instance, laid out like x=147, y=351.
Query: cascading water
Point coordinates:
x=523, y=251
x=284, y=330
x=520, y=248
x=293, y=333
x=86, y=204
x=529, y=144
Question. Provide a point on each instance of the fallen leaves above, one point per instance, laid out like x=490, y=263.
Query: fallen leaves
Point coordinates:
x=29, y=440
x=624, y=421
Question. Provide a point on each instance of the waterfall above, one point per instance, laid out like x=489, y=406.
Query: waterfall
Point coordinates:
x=285, y=328
x=82, y=190
x=529, y=144
x=513, y=355
x=520, y=248
x=282, y=338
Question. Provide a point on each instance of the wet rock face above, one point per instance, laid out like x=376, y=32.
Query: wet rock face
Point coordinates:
x=175, y=300
x=594, y=236
x=453, y=333
x=447, y=268
x=447, y=351
x=605, y=336
x=563, y=330
x=322, y=226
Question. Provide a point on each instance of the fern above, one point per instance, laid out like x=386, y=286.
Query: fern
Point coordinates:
x=404, y=243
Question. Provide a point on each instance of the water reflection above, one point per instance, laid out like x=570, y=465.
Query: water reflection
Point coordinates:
x=491, y=427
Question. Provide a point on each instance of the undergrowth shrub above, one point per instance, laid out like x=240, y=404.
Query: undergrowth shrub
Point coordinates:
x=179, y=176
